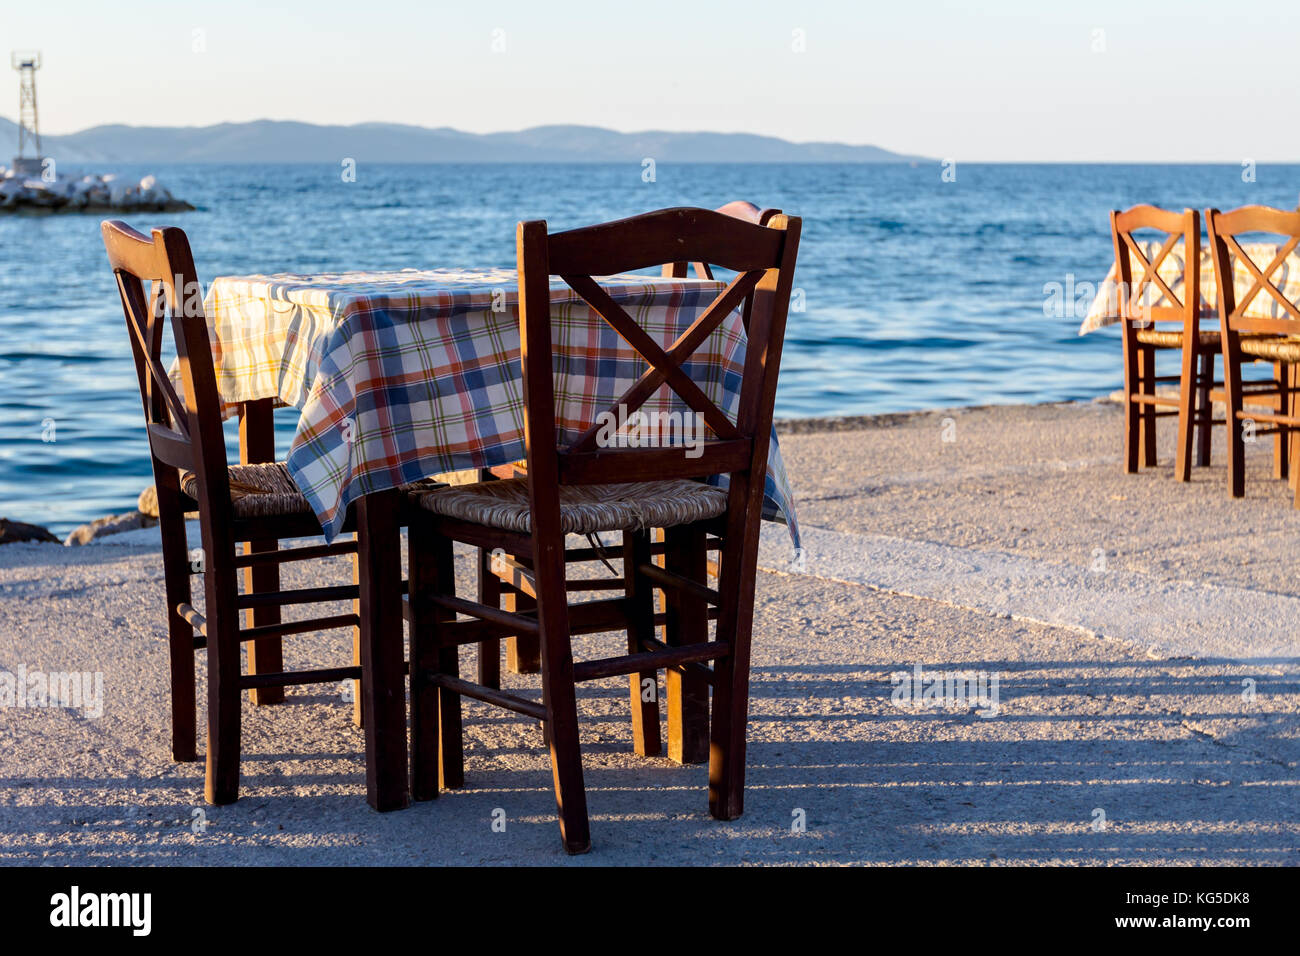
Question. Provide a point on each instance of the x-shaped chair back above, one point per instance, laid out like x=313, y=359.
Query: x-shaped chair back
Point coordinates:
x=1148, y=298
x=1224, y=229
x=762, y=257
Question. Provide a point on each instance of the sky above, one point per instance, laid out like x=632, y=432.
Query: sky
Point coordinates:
x=993, y=81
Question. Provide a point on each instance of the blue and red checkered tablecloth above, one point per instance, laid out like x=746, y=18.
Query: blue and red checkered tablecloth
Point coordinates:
x=403, y=375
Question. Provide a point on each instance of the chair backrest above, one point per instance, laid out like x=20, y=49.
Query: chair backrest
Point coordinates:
x=159, y=285
x=1224, y=228
x=763, y=258
x=1147, y=297
x=740, y=209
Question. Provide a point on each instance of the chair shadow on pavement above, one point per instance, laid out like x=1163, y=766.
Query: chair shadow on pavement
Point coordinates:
x=1094, y=763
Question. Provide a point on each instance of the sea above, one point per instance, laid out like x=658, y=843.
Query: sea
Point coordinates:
x=918, y=287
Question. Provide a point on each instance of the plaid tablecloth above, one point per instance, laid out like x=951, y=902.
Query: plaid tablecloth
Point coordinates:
x=1104, y=310
x=403, y=375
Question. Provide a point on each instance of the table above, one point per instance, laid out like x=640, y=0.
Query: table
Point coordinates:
x=403, y=375
x=1104, y=309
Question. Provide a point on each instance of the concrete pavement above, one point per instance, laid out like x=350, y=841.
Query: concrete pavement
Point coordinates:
x=1148, y=703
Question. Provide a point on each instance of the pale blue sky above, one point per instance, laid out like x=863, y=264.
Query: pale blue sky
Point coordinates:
x=1001, y=80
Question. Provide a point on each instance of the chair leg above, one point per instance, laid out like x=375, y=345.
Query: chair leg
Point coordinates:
x=358, y=713
x=1186, y=413
x=421, y=579
x=730, y=715
x=731, y=673
x=1132, y=422
x=180, y=633
x=523, y=653
x=560, y=697
x=1205, y=410
x=451, y=746
x=1292, y=406
x=221, y=785
x=644, y=685
x=1232, y=403
x=430, y=571
x=1282, y=438
x=1295, y=501
x=1148, y=410
x=687, y=623
x=489, y=651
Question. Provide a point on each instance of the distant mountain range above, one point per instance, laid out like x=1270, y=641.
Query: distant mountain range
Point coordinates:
x=274, y=141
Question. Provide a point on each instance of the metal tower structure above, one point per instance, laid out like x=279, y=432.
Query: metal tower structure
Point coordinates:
x=27, y=62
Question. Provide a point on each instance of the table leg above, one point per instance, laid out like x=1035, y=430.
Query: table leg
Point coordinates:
x=257, y=445
x=383, y=693
x=523, y=652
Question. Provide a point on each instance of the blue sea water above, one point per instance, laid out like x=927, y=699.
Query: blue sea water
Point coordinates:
x=917, y=292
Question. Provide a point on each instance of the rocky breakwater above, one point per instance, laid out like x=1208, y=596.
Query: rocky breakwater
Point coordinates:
x=145, y=516
x=91, y=193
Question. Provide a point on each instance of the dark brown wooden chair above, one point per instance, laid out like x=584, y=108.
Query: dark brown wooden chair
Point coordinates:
x=1251, y=337
x=681, y=621
x=258, y=504
x=1146, y=330
x=582, y=488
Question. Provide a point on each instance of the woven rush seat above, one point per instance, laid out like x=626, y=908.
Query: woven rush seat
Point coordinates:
x=1274, y=348
x=1173, y=338
x=584, y=509
x=268, y=490
x=257, y=491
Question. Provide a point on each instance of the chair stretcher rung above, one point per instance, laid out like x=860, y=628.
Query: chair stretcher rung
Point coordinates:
x=571, y=584
x=679, y=583
x=299, y=627
x=698, y=668
x=488, y=695
x=1140, y=398
x=326, y=675
x=194, y=619
x=284, y=555
x=649, y=660
x=608, y=617
x=340, y=592
x=1290, y=421
x=513, y=574
x=517, y=623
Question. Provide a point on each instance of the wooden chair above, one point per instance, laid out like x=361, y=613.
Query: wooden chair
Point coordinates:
x=1143, y=337
x=687, y=695
x=1246, y=337
x=254, y=503
x=582, y=488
